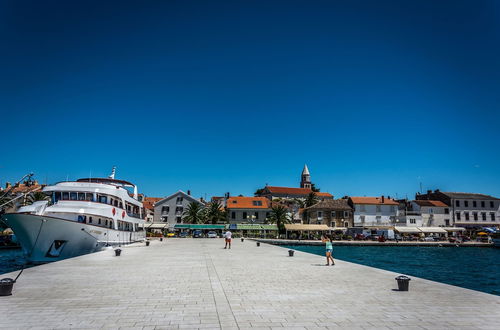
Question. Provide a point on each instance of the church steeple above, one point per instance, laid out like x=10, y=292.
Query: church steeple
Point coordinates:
x=305, y=181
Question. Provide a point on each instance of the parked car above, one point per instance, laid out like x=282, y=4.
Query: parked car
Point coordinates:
x=212, y=234
x=183, y=234
x=197, y=234
x=171, y=235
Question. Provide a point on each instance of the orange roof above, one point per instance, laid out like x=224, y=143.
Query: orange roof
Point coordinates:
x=295, y=191
x=22, y=188
x=373, y=200
x=247, y=203
x=149, y=202
x=430, y=203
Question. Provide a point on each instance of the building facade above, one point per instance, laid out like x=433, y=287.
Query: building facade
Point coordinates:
x=247, y=209
x=333, y=213
x=374, y=211
x=170, y=209
x=467, y=209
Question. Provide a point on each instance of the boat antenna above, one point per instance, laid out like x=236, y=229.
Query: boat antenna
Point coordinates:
x=113, y=171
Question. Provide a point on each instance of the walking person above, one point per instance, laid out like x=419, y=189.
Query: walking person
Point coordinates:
x=228, y=236
x=329, y=249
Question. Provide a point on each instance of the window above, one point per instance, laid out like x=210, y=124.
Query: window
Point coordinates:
x=72, y=196
x=447, y=222
x=346, y=214
x=458, y=216
x=81, y=196
x=57, y=196
x=446, y=211
x=475, y=216
x=103, y=199
x=413, y=221
x=378, y=208
x=492, y=215
x=178, y=219
x=165, y=219
x=457, y=203
x=89, y=197
x=244, y=215
x=431, y=210
x=256, y=215
x=257, y=203
x=334, y=214
x=165, y=209
x=320, y=214
x=466, y=203
x=492, y=205
x=482, y=204
x=474, y=204
x=99, y=221
x=483, y=215
x=233, y=215
x=106, y=223
x=115, y=203
x=466, y=216
x=90, y=219
x=121, y=205
x=179, y=200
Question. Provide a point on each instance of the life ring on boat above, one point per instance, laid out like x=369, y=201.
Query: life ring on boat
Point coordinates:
x=113, y=211
x=123, y=214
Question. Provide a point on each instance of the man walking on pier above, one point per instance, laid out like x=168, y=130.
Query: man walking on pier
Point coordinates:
x=227, y=236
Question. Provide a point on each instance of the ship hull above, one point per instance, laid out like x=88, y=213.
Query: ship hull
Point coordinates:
x=46, y=239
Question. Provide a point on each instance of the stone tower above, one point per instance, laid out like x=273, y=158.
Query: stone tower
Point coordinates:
x=305, y=181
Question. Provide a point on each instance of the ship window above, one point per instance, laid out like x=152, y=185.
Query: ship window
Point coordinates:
x=65, y=195
x=81, y=196
x=72, y=196
x=99, y=220
x=116, y=203
x=57, y=196
x=103, y=199
x=90, y=219
x=89, y=196
x=121, y=205
x=106, y=223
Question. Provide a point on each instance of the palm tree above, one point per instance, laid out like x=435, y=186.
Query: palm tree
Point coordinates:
x=36, y=196
x=299, y=203
x=311, y=199
x=194, y=213
x=215, y=213
x=279, y=216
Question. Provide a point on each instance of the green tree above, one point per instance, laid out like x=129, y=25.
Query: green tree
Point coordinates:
x=299, y=203
x=194, y=213
x=279, y=216
x=313, y=188
x=215, y=213
x=36, y=196
x=311, y=199
x=258, y=192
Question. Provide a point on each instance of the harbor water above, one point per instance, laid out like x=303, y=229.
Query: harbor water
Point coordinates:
x=12, y=260
x=467, y=267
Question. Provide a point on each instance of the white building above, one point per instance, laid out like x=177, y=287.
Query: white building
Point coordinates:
x=374, y=211
x=170, y=209
x=432, y=213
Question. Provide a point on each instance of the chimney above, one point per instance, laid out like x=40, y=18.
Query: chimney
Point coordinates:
x=7, y=185
x=383, y=199
x=189, y=192
x=436, y=191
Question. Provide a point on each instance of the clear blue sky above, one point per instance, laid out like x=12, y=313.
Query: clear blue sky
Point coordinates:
x=216, y=96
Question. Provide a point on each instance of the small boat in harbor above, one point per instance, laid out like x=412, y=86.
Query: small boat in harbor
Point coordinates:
x=81, y=217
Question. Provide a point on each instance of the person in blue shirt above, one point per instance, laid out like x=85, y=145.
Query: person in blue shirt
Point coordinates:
x=329, y=249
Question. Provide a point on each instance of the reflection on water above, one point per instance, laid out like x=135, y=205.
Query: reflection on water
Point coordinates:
x=467, y=267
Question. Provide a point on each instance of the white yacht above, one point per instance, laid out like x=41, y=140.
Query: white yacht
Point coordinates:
x=81, y=217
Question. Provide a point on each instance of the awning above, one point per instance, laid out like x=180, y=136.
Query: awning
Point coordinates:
x=338, y=228
x=195, y=226
x=156, y=226
x=453, y=229
x=307, y=227
x=269, y=227
x=407, y=230
x=433, y=230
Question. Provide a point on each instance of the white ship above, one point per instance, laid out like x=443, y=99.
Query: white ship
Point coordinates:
x=82, y=217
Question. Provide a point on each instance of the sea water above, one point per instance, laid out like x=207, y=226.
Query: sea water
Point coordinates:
x=473, y=268
x=12, y=260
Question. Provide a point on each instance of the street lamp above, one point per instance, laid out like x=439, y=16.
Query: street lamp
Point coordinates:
x=251, y=219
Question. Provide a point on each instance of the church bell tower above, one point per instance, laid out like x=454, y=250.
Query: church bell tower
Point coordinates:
x=305, y=181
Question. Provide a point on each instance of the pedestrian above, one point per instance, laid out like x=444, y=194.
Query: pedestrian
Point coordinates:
x=329, y=249
x=228, y=236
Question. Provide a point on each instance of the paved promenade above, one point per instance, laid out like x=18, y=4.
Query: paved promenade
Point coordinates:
x=195, y=284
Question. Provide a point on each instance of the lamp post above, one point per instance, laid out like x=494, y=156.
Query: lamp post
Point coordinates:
x=251, y=220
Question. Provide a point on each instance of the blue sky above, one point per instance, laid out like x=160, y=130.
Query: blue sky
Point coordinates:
x=219, y=96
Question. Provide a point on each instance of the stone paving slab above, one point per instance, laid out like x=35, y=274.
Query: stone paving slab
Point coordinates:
x=196, y=284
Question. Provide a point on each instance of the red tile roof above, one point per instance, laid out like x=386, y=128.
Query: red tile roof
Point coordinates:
x=430, y=203
x=373, y=200
x=247, y=203
x=295, y=191
x=149, y=202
